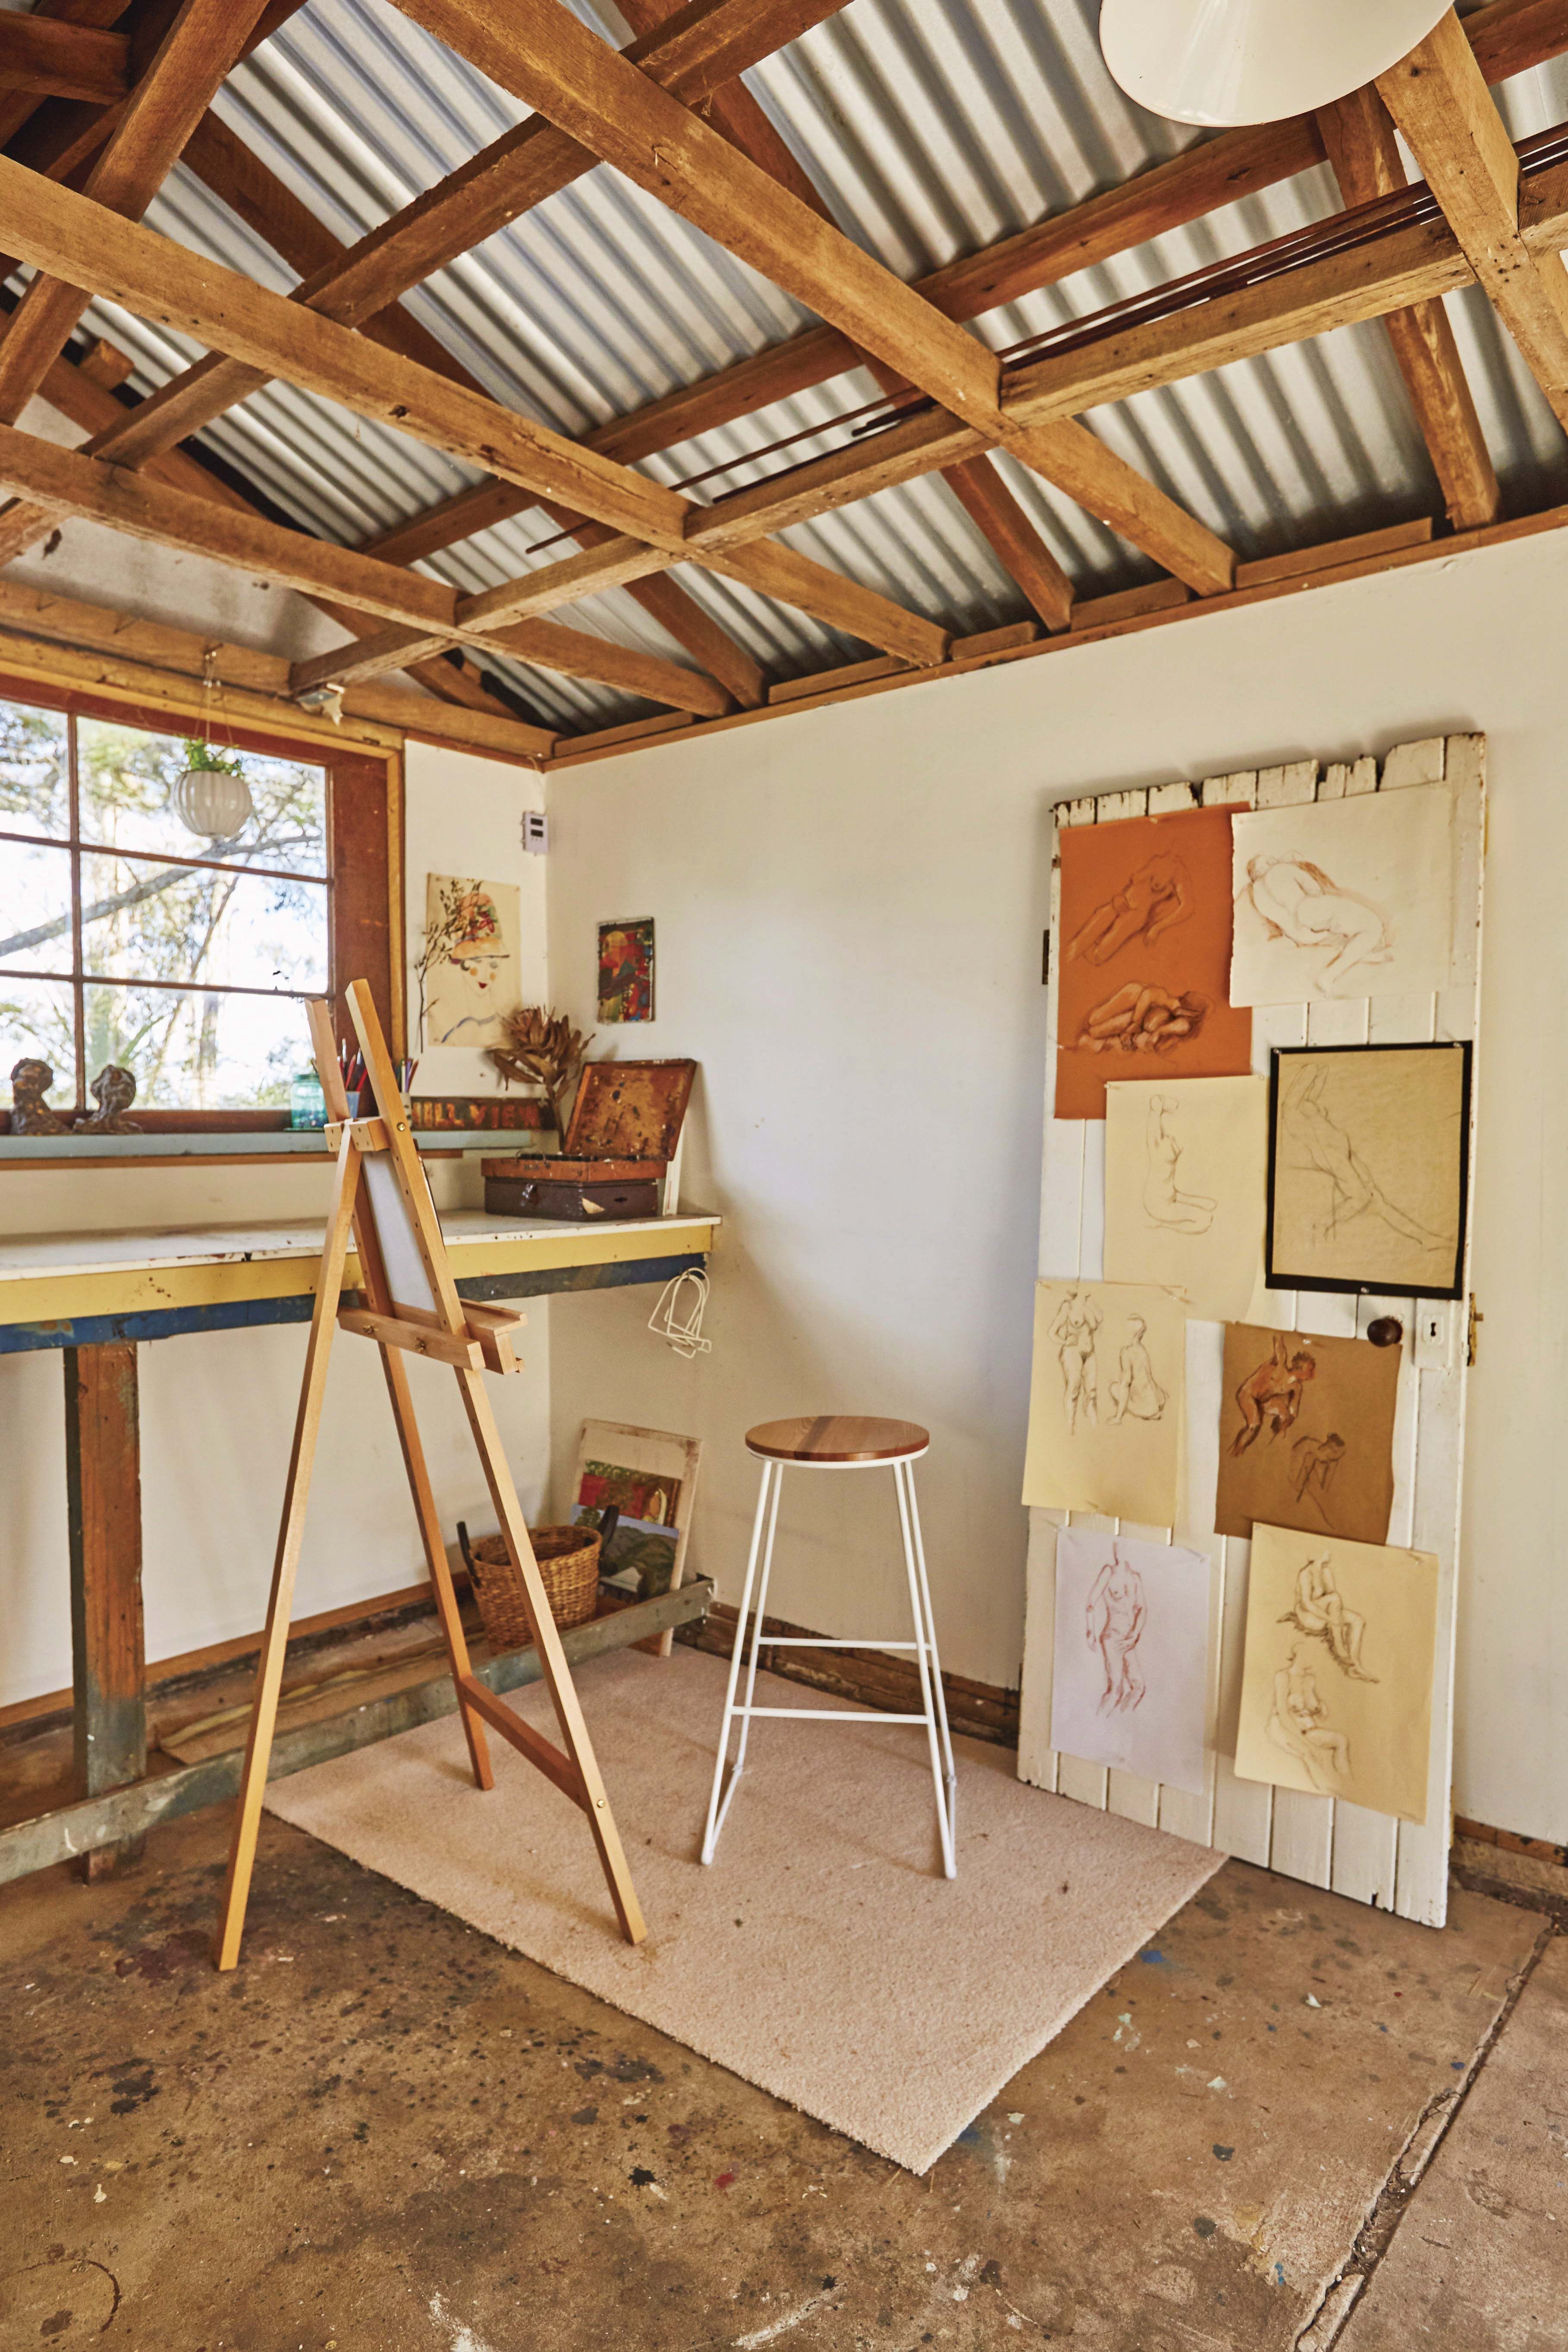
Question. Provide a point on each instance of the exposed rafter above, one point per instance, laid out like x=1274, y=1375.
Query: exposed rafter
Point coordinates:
x=1364, y=155
x=205, y=41
x=1439, y=99
x=599, y=96
x=1509, y=37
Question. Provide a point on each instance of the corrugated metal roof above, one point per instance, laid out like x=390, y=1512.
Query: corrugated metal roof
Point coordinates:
x=932, y=128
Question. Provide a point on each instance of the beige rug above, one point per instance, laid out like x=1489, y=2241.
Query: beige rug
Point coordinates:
x=819, y=1956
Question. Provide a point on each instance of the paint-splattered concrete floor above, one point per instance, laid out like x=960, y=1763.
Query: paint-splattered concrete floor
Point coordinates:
x=1290, y=2122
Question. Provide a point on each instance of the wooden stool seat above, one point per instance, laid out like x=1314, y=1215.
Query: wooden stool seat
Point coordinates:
x=837, y=1437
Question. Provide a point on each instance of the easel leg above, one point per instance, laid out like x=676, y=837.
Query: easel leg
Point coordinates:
x=280, y=1606
x=553, y=1658
x=436, y=1558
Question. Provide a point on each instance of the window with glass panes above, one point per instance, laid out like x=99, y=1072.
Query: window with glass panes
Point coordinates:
x=171, y=929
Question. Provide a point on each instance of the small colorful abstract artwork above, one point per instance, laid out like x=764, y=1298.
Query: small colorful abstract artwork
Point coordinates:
x=625, y=970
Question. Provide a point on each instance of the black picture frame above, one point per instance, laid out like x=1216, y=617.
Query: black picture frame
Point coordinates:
x=1281, y=1277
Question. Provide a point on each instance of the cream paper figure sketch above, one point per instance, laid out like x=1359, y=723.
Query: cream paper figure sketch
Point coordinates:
x=1342, y=898
x=1130, y=1677
x=1336, y=1694
x=1185, y=1184
x=1370, y=1149
x=1105, y=1399
x=471, y=979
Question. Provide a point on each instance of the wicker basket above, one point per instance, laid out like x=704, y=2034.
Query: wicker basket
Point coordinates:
x=568, y=1563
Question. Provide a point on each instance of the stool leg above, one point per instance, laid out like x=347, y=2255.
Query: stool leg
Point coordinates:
x=933, y=1703
x=767, y=1494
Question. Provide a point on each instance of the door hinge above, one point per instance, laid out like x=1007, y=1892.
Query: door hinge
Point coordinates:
x=1477, y=1318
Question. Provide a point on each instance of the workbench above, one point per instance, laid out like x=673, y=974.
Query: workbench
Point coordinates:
x=99, y=1297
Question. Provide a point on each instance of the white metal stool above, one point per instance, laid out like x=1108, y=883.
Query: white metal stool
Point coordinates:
x=838, y=1441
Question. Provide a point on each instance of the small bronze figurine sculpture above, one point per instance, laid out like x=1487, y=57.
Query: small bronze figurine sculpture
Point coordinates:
x=114, y=1091
x=30, y=1114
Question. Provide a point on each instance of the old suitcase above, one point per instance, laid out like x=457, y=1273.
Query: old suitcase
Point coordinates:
x=579, y=1191
x=624, y=1131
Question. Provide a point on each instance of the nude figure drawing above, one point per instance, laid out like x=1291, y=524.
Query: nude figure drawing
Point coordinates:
x=1154, y=899
x=1313, y=1464
x=1298, y=1722
x=1297, y=901
x=1135, y=1391
x=1318, y=1608
x=1164, y=1202
x=1141, y=1018
x=1076, y=1321
x=1314, y=1144
x=1270, y=1397
x=1114, y=1617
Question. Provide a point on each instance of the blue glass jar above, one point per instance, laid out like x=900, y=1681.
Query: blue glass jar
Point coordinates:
x=307, y=1103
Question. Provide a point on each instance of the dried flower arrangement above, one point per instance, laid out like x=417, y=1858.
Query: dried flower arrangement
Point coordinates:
x=544, y=1049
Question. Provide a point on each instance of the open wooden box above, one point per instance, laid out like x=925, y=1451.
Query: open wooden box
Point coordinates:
x=618, y=1150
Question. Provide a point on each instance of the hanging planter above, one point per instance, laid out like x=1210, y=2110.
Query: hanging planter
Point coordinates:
x=211, y=797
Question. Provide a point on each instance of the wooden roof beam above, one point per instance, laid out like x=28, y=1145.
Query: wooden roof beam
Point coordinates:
x=238, y=177
x=541, y=53
x=1364, y=155
x=55, y=58
x=86, y=487
x=194, y=56
x=1438, y=97
x=979, y=488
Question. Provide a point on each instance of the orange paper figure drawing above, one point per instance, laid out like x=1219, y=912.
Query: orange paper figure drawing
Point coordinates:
x=1145, y=957
x=1306, y=1434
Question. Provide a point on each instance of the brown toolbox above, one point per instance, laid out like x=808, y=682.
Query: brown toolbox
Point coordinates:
x=581, y=1192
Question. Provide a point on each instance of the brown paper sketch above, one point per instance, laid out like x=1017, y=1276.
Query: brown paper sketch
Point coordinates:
x=1336, y=1694
x=1145, y=956
x=1306, y=1436
x=1185, y=1184
x=1368, y=1158
x=1344, y=899
x=1105, y=1401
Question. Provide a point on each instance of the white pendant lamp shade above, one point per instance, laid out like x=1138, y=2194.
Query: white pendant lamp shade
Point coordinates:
x=1226, y=62
x=212, y=802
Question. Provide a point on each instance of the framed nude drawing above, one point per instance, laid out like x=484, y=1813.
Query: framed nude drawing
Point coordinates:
x=1144, y=979
x=1368, y=1161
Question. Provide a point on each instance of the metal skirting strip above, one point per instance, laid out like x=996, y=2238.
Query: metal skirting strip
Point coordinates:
x=249, y=1314
x=130, y=1811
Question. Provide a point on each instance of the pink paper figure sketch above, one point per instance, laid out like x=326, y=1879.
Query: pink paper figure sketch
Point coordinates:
x=1297, y=1724
x=1318, y=1608
x=1164, y=1202
x=1297, y=901
x=1114, y=1617
x=1135, y=1389
x=1154, y=899
x=1078, y=1320
x=1314, y=1144
x=1270, y=1397
x=1141, y=1018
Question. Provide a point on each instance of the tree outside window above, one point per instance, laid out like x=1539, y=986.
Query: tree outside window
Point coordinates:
x=128, y=936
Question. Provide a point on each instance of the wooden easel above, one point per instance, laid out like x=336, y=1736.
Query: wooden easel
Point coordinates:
x=381, y=1194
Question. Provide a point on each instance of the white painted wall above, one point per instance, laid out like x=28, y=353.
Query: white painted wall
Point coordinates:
x=218, y=1410
x=850, y=907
